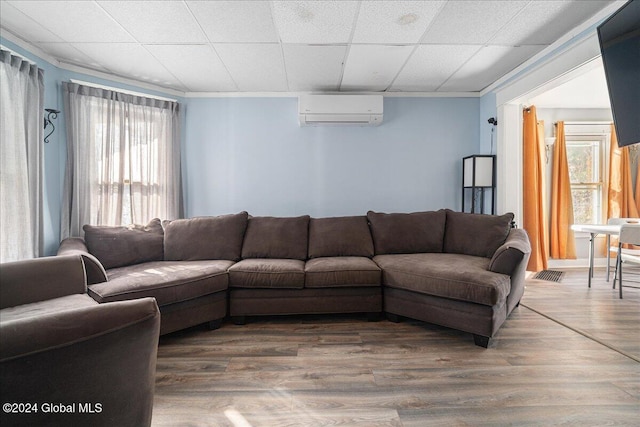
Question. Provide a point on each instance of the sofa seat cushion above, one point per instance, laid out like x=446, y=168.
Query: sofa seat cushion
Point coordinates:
x=267, y=273
x=331, y=272
x=455, y=276
x=43, y=308
x=168, y=281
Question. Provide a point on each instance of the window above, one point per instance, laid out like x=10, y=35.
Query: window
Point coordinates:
x=123, y=162
x=585, y=156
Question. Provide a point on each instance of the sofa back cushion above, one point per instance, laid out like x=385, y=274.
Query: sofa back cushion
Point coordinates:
x=475, y=234
x=406, y=233
x=340, y=236
x=276, y=237
x=205, y=238
x=125, y=245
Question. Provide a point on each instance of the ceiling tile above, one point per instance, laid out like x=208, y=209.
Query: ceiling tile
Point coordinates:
x=129, y=59
x=156, y=21
x=471, y=22
x=542, y=22
x=318, y=22
x=314, y=68
x=394, y=22
x=254, y=67
x=75, y=21
x=487, y=66
x=373, y=67
x=21, y=25
x=206, y=74
x=431, y=65
x=234, y=21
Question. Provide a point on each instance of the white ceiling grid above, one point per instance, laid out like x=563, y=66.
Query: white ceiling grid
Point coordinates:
x=288, y=46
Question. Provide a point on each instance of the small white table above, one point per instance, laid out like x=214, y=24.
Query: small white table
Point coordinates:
x=594, y=230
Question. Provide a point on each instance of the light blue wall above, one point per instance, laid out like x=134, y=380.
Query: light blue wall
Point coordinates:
x=251, y=154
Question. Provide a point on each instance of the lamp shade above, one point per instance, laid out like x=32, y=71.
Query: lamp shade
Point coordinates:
x=478, y=171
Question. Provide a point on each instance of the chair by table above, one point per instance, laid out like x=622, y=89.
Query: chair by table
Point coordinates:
x=629, y=233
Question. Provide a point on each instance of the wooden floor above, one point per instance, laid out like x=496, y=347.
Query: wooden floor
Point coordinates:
x=567, y=356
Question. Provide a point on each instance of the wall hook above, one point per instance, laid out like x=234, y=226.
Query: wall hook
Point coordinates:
x=51, y=115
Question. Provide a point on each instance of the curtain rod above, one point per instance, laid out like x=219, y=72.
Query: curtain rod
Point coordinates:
x=128, y=92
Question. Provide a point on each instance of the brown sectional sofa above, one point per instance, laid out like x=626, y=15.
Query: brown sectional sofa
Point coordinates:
x=464, y=271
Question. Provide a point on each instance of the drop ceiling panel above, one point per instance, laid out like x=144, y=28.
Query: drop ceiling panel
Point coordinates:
x=129, y=59
x=471, y=22
x=431, y=65
x=20, y=24
x=315, y=22
x=373, y=67
x=254, y=67
x=234, y=21
x=206, y=74
x=314, y=68
x=156, y=21
x=486, y=66
x=75, y=21
x=397, y=22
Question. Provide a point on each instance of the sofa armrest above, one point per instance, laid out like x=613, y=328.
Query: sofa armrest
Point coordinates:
x=103, y=354
x=510, y=254
x=40, y=279
x=77, y=246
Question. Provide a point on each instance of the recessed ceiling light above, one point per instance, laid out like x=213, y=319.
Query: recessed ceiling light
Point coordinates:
x=407, y=19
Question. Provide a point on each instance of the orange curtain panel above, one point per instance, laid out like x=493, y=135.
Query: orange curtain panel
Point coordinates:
x=622, y=202
x=563, y=244
x=533, y=181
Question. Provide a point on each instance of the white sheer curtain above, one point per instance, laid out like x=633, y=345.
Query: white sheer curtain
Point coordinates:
x=21, y=161
x=123, y=159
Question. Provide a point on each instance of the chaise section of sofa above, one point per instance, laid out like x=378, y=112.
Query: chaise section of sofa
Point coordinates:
x=182, y=264
x=464, y=271
x=305, y=265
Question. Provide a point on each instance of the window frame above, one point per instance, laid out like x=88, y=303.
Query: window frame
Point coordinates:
x=602, y=141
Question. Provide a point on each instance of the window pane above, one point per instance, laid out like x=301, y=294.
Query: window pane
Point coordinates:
x=586, y=205
x=584, y=162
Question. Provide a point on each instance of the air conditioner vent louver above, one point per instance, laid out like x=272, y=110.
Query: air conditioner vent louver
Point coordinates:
x=340, y=110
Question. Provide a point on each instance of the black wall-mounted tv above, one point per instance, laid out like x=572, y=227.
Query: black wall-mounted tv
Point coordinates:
x=619, y=38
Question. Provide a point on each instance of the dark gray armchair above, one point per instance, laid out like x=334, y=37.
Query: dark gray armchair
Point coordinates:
x=67, y=360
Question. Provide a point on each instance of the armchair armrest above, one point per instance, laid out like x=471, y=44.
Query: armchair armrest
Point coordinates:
x=77, y=246
x=507, y=257
x=41, y=279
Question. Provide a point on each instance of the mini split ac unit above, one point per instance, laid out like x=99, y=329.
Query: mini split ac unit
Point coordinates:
x=340, y=110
